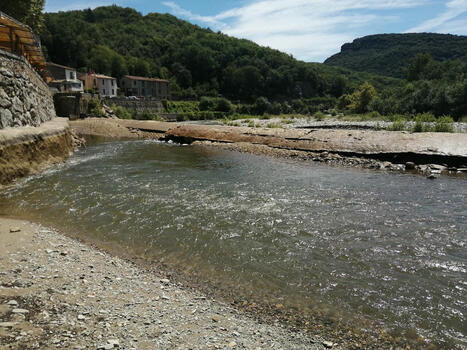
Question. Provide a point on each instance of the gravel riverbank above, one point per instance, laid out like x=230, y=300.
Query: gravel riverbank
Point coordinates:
x=56, y=292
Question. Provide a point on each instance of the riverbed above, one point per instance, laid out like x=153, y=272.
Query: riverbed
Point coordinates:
x=374, y=250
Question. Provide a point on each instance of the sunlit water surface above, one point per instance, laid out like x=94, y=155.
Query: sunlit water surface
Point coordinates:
x=386, y=247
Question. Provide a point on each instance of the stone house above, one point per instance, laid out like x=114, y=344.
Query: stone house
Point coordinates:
x=64, y=78
x=145, y=87
x=104, y=85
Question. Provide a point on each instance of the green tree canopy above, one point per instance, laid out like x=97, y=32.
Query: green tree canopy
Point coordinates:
x=27, y=11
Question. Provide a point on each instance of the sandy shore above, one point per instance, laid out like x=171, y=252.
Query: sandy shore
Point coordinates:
x=56, y=292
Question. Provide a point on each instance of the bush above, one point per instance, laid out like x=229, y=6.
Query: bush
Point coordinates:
x=418, y=126
x=261, y=105
x=224, y=105
x=95, y=108
x=425, y=118
x=215, y=104
x=362, y=98
x=273, y=125
x=319, y=116
x=398, y=125
x=444, y=124
x=121, y=112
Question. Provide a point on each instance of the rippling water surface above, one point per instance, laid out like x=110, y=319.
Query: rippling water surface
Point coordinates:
x=390, y=248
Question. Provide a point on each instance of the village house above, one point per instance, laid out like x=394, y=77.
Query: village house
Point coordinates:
x=64, y=78
x=104, y=85
x=145, y=87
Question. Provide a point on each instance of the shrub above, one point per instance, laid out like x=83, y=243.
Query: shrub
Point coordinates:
x=362, y=98
x=398, y=125
x=375, y=115
x=319, y=116
x=418, y=126
x=261, y=105
x=273, y=125
x=444, y=124
x=425, y=118
x=121, y=112
x=95, y=108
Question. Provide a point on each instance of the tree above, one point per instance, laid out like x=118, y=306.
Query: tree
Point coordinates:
x=27, y=11
x=423, y=66
x=362, y=98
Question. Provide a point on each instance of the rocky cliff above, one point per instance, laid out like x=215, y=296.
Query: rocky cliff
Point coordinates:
x=389, y=54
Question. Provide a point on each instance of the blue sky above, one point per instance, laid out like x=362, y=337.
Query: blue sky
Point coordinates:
x=310, y=30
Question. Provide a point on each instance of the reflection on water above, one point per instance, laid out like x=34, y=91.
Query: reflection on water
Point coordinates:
x=388, y=247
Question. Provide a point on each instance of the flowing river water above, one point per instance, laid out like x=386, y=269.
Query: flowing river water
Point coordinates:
x=346, y=244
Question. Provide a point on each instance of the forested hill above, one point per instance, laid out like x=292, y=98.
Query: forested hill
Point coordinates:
x=389, y=54
x=199, y=62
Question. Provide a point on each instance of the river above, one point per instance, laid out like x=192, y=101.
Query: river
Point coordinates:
x=368, y=248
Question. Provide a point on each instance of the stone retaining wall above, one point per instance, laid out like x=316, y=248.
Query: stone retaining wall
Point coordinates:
x=25, y=99
x=140, y=106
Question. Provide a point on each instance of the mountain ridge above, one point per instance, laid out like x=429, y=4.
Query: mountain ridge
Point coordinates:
x=389, y=54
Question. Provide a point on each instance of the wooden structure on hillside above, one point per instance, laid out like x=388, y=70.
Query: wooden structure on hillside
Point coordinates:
x=20, y=40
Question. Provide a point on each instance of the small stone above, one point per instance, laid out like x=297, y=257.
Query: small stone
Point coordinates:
x=64, y=253
x=215, y=318
x=328, y=344
x=20, y=311
x=432, y=176
x=81, y=318
x=7, y=324
x=114, y=342
x=437, y=167
x=15, y=229
x=13, y=303
x=165, y=281
x=410, y=165
x=232, y=344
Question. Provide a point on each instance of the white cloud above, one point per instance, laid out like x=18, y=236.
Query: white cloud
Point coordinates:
x=57, y=5
x=177, y=10
x=454, y=9
x=308, y=29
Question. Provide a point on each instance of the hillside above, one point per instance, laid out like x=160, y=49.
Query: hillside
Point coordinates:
x=199, y=62
x=389, y=54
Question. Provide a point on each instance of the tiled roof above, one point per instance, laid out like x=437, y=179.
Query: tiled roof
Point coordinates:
x=102, y=76
x=59, y=66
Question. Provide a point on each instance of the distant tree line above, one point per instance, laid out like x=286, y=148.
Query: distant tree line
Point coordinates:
x=222, y=72
x=198, y=62
x=431, y=86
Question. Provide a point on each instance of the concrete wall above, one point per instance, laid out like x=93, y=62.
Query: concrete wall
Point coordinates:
x=25, y=98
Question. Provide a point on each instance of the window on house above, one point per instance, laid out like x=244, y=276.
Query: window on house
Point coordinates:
x=113, y=92
x=103, y=82
x=135, y=82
